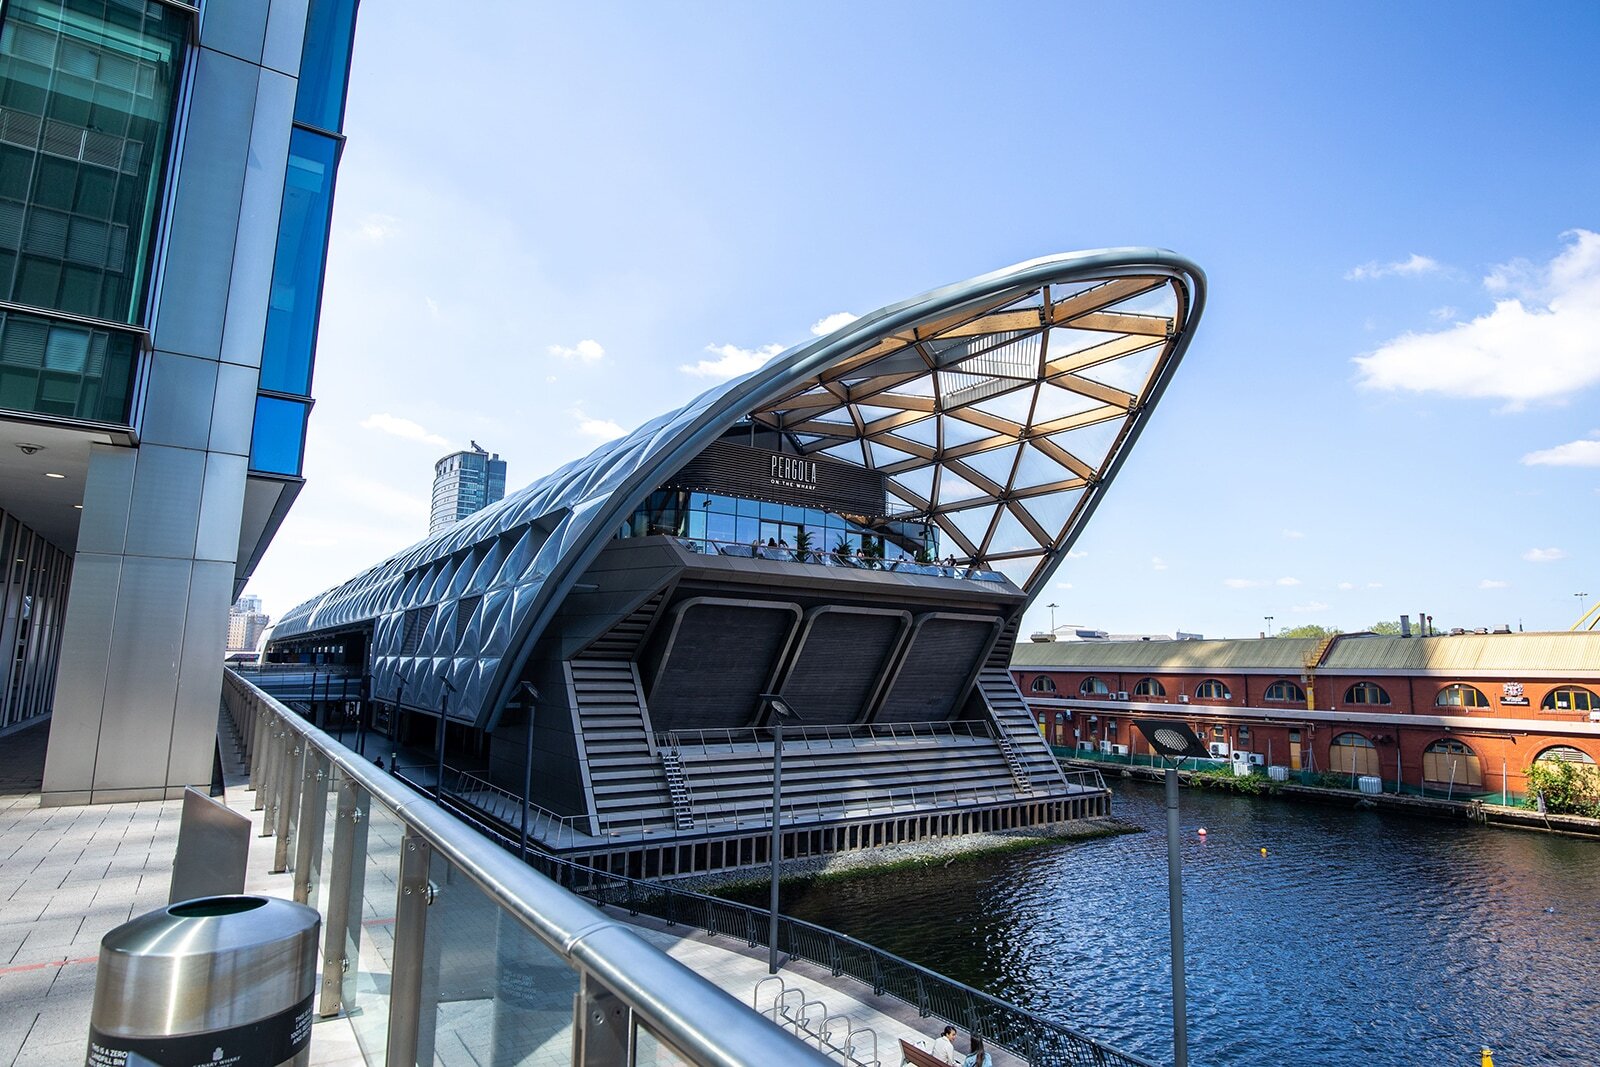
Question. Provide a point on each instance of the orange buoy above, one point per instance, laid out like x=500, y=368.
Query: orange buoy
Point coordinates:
x=1202, y=831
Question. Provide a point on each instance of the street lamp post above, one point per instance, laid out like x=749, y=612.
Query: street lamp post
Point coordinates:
x=780, y=711
x=1174, y=741
x=444, y=713
x=1269, y=624
x=1052, y=608
x=532, y=696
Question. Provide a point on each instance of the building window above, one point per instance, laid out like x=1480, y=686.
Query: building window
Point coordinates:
x=325, y=64
x=1366, y=693
x=291, y=336
x=1149, y=687
x=278, y=438
x=1563, y=754
x=1212, y=689
x=1285, y=692
x=1570, y=698
x=1460, y=696
x=1354, y=755
x=1244, y=734
x=1093, y=687
x=58, y=368
x=1043, y=684
x=1449, y=763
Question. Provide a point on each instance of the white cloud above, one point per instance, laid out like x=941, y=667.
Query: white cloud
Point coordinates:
x=1288, y=581
x=377, y=228
x=1374, y=585
x=1543, y=555
x=587, y=351
x=731, y=361
x=1063, y=585
x=1447, y=313
x=828, y=324
x=1492, y=583
x=1541, y=341
x=1294, y=535
x=1347, y=586
x=1413, y=265
x=1309, y=609
x=1157, y=563
x=432, y=306
x=395, y=426
x=1571, y=454
x=598, y=429
x=1076, y=553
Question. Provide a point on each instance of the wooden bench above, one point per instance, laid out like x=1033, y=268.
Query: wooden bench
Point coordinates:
x=918, y=1057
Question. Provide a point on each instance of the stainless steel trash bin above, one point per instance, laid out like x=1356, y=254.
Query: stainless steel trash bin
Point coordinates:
x=215, y=982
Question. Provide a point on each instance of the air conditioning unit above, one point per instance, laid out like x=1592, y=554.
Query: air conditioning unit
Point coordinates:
x=1257, y=760
x=1218, y=750
x=1085, y=746
x=1105, y=747
x=1119, y=750
x=1239, y=757
x=1183, y=698
x=1278, y=773
x=1122, y=694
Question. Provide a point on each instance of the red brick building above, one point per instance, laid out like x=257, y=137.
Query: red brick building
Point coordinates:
x=1465, y=714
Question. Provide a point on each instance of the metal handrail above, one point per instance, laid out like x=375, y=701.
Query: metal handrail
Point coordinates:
x=567, y=831
x=804, y=732
x=701, y=1020
x=820, y=557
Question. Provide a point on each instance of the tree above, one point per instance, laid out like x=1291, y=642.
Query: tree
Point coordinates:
x=1310, y=629
x=1385, y=628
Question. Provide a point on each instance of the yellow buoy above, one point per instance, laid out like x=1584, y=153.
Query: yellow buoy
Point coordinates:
x=1263, y=852
x=1488, y=1058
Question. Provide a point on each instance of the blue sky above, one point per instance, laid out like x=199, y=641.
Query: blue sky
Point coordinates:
x=539, y=227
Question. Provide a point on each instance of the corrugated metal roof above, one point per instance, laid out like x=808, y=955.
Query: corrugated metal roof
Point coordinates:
x=1464, y=654
x=1281, y=654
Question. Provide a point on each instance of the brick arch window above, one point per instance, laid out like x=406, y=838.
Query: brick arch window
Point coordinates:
x=1570, y=698
x=1043, y=684
x=1366, y=693
x=1093, y=687
x=1563, y=754
x=1286, y=692
x=1448, y=762
x=1353, y=754
x=1149, y=687
x=1212, y=689
x=1461, y=696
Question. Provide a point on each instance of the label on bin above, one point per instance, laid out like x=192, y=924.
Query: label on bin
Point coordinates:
x=264, y=1043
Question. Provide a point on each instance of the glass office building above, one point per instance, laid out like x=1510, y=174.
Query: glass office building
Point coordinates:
x=166, y=185
x=465, y=482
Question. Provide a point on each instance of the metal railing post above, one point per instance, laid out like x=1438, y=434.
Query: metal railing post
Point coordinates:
x=313, y=813
x=348, y=816
x=288, y=793
x=410, y=944
x=267, y=798
x=261, y=766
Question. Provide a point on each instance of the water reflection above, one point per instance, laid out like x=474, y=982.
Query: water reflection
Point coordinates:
x=1358, y=938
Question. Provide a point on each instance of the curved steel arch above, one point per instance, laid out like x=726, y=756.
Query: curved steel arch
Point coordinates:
x=514, y=562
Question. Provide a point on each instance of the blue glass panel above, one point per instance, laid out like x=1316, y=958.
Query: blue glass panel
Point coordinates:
x=279, y=435
x=325, y=64
x=297, y=271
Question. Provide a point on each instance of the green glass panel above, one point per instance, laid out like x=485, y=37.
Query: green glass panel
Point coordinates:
x=66, y=369
x=86, y=100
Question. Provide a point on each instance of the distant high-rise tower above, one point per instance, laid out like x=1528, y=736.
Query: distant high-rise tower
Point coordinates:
x=246, y=624
x=464, y=482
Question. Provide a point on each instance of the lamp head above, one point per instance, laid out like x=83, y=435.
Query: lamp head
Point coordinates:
x=781, y=711
x=1173, y=740
x=445, y=681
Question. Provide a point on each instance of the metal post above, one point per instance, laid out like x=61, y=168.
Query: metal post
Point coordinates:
x=287, y=795
x=527, y=784
x=1503, y=799
x=313, y=813
x=438, y=777
x=776, y=848
x=335, y=961
x=267, y=799
x=1180, y=1011
x=410, y=937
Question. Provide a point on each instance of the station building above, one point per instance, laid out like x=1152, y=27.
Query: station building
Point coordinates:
x=1458, y=715
x=856, y=528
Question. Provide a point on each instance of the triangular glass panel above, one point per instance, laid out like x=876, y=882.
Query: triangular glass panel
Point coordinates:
x=919, y=481
x=1032, y=300
x=1057, y=403
x=1039, y=469
x=1019, y=570
x=953, y=488
x=1054, y=509
x=1162, y=300
x=922, y=387
x=1090, y=443
x=973, y=523
x=850, y=452
x=994, y=464
x=872, y=412
x=883, y=455
x=838, y=416
x=1011, y=536
x=1014, y=405
x=1064, y=341
x=923, y=432
x=1130, y=373
x=956, y=432
x=806, y=440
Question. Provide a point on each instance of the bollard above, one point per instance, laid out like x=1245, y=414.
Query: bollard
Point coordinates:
x=222, y=981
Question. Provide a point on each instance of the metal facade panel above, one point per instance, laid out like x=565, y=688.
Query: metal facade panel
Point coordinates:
x=107, y=493
x=260, y=202
x=141, y=683
x=199, y=253
x=178, y=401
x=236, y=27
x=165, y=510
x=205, y=637
x=285, y=36
x=233, y=409
x=81, y=686
x=221, y=508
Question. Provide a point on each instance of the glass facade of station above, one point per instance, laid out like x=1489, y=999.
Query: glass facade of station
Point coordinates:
x=716, y=521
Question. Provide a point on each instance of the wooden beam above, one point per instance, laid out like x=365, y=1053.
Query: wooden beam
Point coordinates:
x=1107, y=394
x=1120, y=322
x=1081, y=419
x=1112, y=292
x=1089, y=357
x=1037, y=532
x=1065, y=458
x=977, y=478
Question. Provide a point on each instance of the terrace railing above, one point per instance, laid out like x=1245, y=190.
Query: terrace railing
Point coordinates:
x=829, y=558
x=807, y=734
